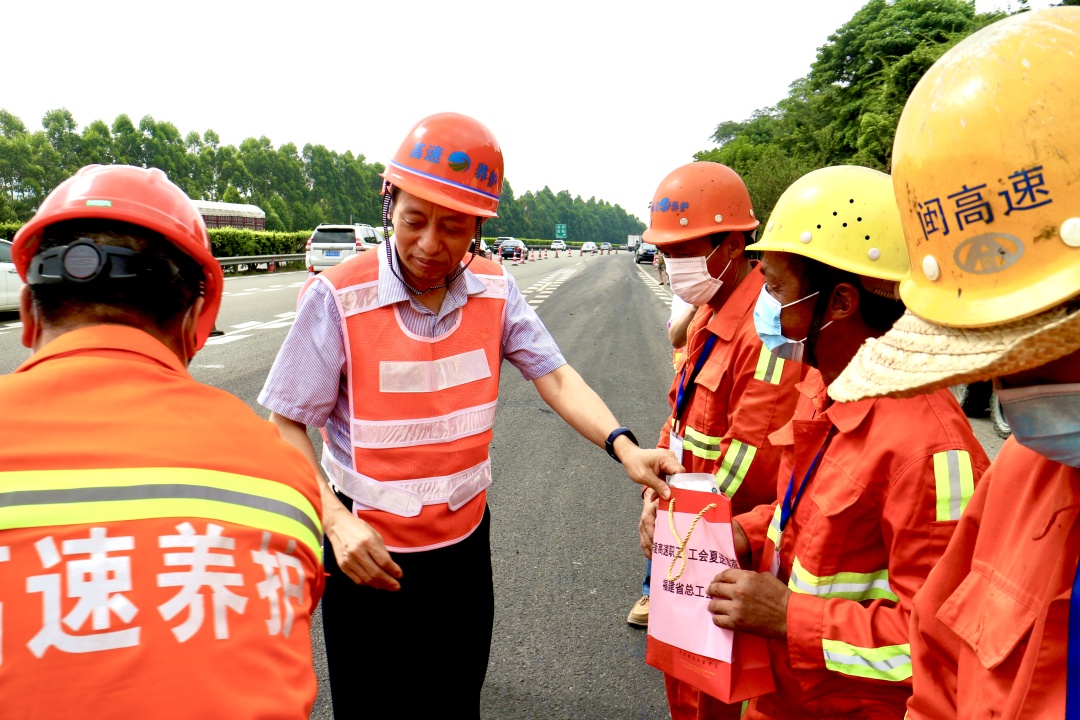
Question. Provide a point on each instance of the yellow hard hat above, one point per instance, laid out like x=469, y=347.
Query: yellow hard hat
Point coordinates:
x=986, y=169
x=843, y=216
x=986, y=164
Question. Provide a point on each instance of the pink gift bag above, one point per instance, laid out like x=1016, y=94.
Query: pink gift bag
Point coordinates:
x=693, y=544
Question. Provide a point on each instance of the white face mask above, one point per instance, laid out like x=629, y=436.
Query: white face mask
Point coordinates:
x=691, y=281
x=1045, y=419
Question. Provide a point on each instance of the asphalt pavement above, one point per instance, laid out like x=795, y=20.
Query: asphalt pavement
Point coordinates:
x=564, y=516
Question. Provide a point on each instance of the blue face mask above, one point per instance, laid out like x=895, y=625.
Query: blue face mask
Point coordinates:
x=767, y=323
x=1045, y=419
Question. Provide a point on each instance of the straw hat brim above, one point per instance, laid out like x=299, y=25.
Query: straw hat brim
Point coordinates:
x=917, y=356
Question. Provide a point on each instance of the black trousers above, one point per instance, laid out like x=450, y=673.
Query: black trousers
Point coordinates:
x=420, y=652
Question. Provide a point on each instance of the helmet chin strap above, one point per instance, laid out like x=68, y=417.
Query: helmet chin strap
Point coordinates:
x=474, y=248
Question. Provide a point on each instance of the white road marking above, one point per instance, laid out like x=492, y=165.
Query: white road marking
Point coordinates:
x=225, y=339
x=286, y=315
x=243, y=326
x=13, y=325
x=274, y=326
x=211, y=367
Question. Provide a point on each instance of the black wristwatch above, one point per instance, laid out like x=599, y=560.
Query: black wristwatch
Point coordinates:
x=609, y=444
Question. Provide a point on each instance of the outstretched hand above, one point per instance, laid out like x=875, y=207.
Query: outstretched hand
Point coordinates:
x=648, y=467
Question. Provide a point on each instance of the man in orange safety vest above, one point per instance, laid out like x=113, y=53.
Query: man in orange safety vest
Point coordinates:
x=160, y=544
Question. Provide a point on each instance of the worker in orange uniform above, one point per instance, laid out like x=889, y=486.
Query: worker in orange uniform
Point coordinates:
x=869, y=492
x=160, y=550
x=397, y=355
x=994, y=291
x=729, y=391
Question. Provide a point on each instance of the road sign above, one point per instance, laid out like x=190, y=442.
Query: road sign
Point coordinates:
x=560, y=231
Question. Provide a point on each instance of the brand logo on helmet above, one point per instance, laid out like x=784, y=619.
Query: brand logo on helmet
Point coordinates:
x=669, y=205
x=988, y=253
x=459, y=161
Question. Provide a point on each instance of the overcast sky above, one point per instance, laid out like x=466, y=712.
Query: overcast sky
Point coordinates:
x=599, y=98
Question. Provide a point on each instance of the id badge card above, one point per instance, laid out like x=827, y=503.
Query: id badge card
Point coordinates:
x=675, y=440
x=775, y=569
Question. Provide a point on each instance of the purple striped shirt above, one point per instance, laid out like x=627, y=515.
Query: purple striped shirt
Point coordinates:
x=307, y=381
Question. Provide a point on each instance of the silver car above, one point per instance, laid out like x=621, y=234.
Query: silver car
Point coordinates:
x=332, y=244
x=10, y=284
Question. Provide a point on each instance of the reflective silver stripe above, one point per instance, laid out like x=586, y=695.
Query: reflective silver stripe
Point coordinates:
x=428, y=376
x=359, y=298
x=891, y=663
x=734, y=468
x=407, y=497
x=382, y=434
x=954, y=483
x=157, y=492
x=495, y=286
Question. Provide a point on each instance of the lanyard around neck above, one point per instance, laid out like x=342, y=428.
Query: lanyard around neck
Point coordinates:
x=1072, y=694
x=682, y=397
x=787, y=508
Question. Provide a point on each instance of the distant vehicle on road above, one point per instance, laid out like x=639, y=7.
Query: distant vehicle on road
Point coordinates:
x=558, y=245
x=485, y=251
x=632, y=241
x=978, y=400
x=333, y=244
x=605, y=246
x=10, y=284
x=511, y=246
x=645, y=252
x=589, y=247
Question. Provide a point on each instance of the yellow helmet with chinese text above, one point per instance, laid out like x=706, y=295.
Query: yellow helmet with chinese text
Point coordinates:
x=986, y=169
x=843, y=216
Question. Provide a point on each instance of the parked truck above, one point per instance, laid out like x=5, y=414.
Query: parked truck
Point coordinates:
x=632, y=241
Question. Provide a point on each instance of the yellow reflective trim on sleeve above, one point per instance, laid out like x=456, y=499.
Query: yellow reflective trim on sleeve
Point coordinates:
x=735, y=465
x=955, y=482
x=889, y=662
x=773, y=532
x=846, y=585
x=769, y=367
x=701, y=445
x=45, y=498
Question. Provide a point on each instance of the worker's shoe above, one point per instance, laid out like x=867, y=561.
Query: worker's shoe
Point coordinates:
x=639, y=614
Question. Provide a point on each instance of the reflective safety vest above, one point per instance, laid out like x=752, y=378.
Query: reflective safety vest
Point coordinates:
x=874, y=519
x=160, y=545
x=422, y=409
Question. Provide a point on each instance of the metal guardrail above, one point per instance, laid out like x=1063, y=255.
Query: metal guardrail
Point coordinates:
x=258, y=259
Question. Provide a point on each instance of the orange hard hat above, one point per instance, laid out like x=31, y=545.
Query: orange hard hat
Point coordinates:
x=699, y=199
x=140, y=196
x=452, y=161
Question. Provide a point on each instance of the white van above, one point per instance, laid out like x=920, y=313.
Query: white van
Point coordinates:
x=332, y=244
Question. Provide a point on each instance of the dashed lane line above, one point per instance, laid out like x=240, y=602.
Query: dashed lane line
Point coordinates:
x=548, y=285
x=279, y=321
x=659, y=290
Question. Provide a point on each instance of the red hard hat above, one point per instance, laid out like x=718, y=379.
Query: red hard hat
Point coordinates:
x=143, y=197
x=699, y=199
x=452, y=161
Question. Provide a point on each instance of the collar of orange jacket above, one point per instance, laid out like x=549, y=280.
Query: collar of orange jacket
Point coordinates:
x=119, y=340
x=726, y=320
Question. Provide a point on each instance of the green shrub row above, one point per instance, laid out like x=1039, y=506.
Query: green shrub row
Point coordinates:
x=227, y=242
x=8, y=229
x=233, y=242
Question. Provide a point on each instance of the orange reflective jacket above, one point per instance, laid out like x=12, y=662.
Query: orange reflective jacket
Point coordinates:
x=160, y=545
x=873, y=521
x=989, y=630
x=742, y=394
x=422, y=409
